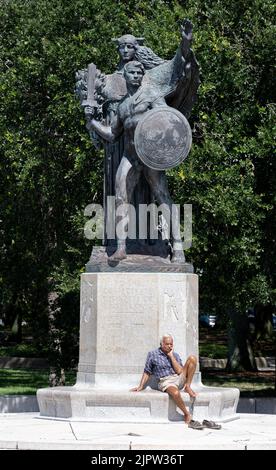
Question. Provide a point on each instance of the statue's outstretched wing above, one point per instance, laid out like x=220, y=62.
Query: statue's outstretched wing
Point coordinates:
x=185, y=94
x=177, y=80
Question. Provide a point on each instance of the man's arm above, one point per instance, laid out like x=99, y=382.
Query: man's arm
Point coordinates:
x=146, y=375
x=176, y=366
x=144, y=379
x=104, y=131
x=109, y=133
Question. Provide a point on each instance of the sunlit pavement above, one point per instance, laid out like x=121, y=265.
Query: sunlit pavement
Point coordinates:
x=29, y=431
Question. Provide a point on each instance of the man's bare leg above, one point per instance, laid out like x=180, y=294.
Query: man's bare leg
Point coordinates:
x=123, y=171
x=159, y=186
x=177, y=245
x=178, y=253
x=120, y=253
x=188, y=371
x=175, y=394
x=127, y=177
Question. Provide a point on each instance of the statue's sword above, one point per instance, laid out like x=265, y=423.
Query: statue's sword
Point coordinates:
x=91, y=78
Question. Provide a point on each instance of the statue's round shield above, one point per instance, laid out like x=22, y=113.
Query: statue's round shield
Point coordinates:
x=163, y=138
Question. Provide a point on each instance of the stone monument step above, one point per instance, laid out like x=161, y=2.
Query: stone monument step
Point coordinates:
x=86, y=403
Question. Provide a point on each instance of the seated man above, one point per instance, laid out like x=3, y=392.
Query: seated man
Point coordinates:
x=166, y=365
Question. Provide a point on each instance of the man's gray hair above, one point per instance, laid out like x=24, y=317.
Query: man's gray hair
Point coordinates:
x=167, y=335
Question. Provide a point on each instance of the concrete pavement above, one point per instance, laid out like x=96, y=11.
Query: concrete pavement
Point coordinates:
x=29, y=431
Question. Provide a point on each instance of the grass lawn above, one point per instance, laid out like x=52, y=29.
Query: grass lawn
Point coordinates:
x=213, y=343
x=27, y=381
x=250, y=384
x=21, y=350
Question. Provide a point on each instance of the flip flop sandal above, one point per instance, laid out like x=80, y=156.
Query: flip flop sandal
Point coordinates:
x=210, y=424
x=195, y=425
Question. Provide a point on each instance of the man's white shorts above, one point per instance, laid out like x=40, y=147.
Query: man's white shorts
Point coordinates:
x=174, y=380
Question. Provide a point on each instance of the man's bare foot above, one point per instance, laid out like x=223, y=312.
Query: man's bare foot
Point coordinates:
x=187, y=417
x=119, y=255
x=188, y=389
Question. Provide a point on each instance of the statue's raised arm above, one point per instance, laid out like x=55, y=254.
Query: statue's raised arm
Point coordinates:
x=187, y=36
x=186, y=92
x=178, y=78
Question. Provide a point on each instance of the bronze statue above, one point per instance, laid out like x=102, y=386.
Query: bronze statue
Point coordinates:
x=131, y=174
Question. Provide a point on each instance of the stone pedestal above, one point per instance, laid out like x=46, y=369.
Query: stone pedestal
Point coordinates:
x=122, y=317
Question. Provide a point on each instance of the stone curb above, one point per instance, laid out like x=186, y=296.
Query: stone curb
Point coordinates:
x=261, y=362
x=257, y=405
x=29, y=404
x=18, y=404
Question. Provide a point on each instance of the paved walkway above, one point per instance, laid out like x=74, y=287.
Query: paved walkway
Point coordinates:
x=29, y=431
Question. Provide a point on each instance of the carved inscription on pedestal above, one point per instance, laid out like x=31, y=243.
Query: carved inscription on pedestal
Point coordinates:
x=133, y=298
x=128, y=320
x=174, y=303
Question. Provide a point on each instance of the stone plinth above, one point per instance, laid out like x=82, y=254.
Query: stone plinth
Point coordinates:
x=138, y=263
x=149, y=406
x=122, y=317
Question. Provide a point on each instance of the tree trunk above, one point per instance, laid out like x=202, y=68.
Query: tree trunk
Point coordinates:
x=16, y=329
x=263, y=321
x=240, y=350
x=57, y=373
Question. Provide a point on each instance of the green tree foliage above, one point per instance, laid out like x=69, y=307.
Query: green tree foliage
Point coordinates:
x=50, y=172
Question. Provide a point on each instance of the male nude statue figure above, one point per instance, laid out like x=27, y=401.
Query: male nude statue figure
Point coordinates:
x=137, y=102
